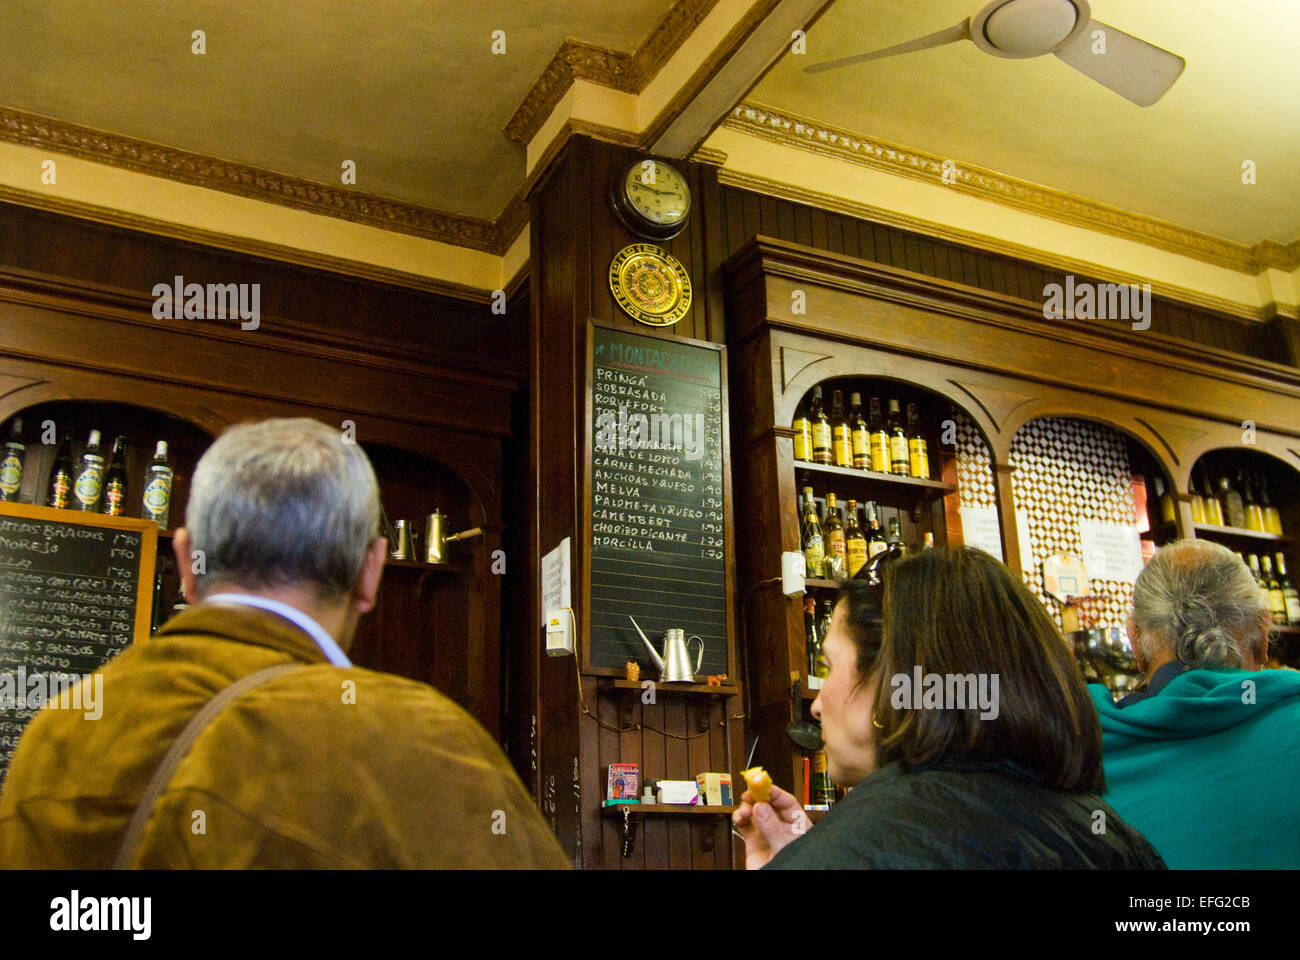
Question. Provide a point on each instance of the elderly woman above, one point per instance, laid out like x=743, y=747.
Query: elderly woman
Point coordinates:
x=961, y=726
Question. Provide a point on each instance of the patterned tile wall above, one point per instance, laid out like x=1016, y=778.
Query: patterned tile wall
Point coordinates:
x=974, y=465
x=1067, y=470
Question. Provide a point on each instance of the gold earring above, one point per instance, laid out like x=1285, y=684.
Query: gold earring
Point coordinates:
x=877, y=724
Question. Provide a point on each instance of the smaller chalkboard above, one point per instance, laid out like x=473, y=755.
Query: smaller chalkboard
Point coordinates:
x=75, y=590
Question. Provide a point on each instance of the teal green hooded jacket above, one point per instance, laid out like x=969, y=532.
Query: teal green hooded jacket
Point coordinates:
x=1208, y=769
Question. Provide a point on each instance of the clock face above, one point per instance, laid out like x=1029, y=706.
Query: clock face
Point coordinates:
x=657, y=192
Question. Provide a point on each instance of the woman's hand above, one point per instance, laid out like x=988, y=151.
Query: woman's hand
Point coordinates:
x=767, y=827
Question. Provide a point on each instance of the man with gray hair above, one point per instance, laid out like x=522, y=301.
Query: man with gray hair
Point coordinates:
x=241, y=735
x=1205, y=759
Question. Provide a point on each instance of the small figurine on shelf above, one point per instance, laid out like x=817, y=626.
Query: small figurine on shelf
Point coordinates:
x=633, y=671
x=715, y=680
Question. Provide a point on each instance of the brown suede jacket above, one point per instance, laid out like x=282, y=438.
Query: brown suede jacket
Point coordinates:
x=322, y=767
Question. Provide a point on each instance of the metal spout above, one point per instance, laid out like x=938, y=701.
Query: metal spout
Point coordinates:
x=654, y=655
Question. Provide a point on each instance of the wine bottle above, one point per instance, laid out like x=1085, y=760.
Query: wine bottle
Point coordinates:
x=896, y=546
x=1214, y=513
x=1198, y=501
x=1164, y=502
x=1252, y=561
x=1234, y=513
x=1276, y=599
x=1272, y=518
x=821, y=429
x=815, y=639
x=11, y=465
x=1250, y=502
x=89, y=483
x=59, y=491
x=115, y=480
x=878, y=433
x=875, y=536
x=898, y=458
x=824, y=620
x=158, y=478
x=918, y=456
x=841, y=432
x=803, y=444
x=814, y=551
x=833, y=537
x=1290, y=595
x=861, y=435
x=823, y=788
x=855, y=544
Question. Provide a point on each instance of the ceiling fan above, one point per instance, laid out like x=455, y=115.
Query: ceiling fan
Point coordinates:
x=1133, y=68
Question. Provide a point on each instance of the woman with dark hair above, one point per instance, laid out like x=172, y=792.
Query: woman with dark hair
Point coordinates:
x=963, y=729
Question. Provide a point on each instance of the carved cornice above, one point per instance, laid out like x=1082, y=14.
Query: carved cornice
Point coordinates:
x=864, y=211
x=255, y=183
x=777, y=126
x=1278, y=256
x=609, y=68
x=714, y=158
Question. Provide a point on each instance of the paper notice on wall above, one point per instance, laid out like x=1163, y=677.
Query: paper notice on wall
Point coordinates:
x=1111, y=551
x=1026, y=545
x=980, y=528
x=556, y=580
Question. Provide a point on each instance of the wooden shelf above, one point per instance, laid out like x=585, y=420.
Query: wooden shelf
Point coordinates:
x=1210, y=531
x=697, y=809
x=419, y=565
x=696, y=689
x=818, y=584
x=928, y=487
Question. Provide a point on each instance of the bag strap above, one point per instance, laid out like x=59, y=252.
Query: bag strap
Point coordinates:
x=180, y=748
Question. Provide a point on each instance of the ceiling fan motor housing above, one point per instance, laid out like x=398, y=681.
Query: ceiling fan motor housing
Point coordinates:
x=1028, y=28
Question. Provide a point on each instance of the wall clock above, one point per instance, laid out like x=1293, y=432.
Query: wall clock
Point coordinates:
x=652, y=199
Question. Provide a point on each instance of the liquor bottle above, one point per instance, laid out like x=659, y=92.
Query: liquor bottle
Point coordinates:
x=833, y=538
x=861, y=434
x=896, y=546
x=841, y=432
x=803, y=445
x=817, y=666
x=1289, y=593
x=115, y=480
x=822, y=788
x=1198, y=501
x=11, y=465
x=1214, y=513
x=1276, y=599
x=1164, y=502
x=59, y=493
x=929, y=541
x=824, y=621
x=898, y=460
x=1254, y=512
x=878, y=434
x=1272, y=519
x=157, y=614
x=90, y=475
x=855, y=544
x=1252, y=561
x=821, y=429
x=875, y=537
x=1234, y=512
x=918, y=457
x=158, y=477
x=814, y=551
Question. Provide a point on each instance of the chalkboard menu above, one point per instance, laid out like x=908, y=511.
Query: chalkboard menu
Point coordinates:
x=75, y=590
x=657, y=512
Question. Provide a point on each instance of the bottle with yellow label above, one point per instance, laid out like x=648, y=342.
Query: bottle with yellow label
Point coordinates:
x=841, y=432
x=878, y=438
x=861, y=435
x=855, y=544
x=821, y=789
x=833, y=538
x=814, y=551
x=11, y=464
x=821, y=429
x=899, y=461
x=803, y=444
x=918, y=457
x=876, y=542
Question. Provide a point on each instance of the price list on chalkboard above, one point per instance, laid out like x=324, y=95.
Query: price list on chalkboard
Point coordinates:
x=69, y=597
x=657, y=514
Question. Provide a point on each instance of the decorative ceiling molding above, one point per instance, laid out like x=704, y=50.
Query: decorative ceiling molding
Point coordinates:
x=940, y=231
x=609, y=68
x=715, y=158
x=256, y=248
x=777, y=126
x=255, y=183
x=1277, y=255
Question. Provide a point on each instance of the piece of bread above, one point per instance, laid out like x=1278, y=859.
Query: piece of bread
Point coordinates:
x=759, y=783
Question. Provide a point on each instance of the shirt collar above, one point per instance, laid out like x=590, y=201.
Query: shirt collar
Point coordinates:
x=333, y=652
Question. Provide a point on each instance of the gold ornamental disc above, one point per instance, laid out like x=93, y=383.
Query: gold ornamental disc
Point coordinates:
x=650, y=285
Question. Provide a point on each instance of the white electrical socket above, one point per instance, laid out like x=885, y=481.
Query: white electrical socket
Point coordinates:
x=559, y=632
x=794, y=569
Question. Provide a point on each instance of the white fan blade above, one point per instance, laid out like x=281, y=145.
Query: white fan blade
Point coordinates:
x=951, y=35
x=1136, y=70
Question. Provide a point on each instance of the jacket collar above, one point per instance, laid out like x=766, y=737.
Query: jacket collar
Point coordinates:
x=245, y=625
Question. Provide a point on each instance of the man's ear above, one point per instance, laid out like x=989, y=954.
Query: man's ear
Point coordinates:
x=366, y=593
